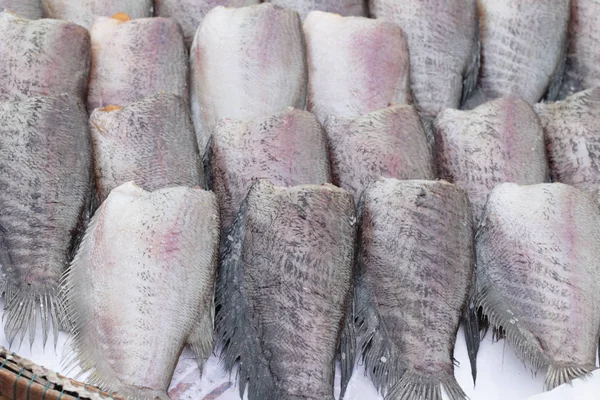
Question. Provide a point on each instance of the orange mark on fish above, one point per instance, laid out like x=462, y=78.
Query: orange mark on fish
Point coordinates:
x=121, y=16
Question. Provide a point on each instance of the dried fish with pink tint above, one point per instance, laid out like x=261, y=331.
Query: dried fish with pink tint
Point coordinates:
x=284, y=288
x=141, y=288
x=150, y=142
x=245, y=63
x=135, y=59
x=355, y=65
x=45, y=200
x=499, y=141
x=190, y=13
x=387, y=143
x=443, y=43
x=84, y=12
x=30, y=9
x=572, y=132
x=42, y=58
x=345, y=8
x=538, y=248
x=415, y=267
x=288, y=149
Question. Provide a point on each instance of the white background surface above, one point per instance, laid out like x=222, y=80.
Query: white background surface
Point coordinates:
x=500, y=375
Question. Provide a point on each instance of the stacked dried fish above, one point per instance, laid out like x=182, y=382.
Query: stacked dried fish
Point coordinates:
x=356, y=8
x=84, y=12
x=31, y=9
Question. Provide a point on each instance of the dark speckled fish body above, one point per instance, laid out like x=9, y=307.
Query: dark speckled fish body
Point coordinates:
x=523, y=49
x=345, y=8
x=538, y=248
x=135, y=59
x=390, y=142
x=582, y=70
x=415, y=267
x=42, y=58
x=45, y=190
x=151, y=142
x=84, y=12
x=499, y=141
x=288, y=149
x=283, y=290
x=190, y=13
x=572, y=132
x=31, y=9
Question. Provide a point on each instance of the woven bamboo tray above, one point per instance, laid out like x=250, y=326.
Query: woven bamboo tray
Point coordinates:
x=21, y=379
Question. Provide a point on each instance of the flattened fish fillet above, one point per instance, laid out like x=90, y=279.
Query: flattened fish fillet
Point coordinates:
x=343, y=7
x=190, y=13
x=537, y=275
x=84, y=12
x=572, y=133
x=500, y=141
x=141, y=287
x=355, y=65
x=283, y=290
x=582, y=70
x=245, y=63
x=415, y=267
x=132, y=60
x=444, y=49
x=387, y=143
x=151, y=142
x=45, y=194
x=42, y=58
x=288, y=149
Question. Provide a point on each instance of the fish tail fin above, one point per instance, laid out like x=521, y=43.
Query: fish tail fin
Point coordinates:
x=559, y=374
x=201, y=340
x=416, y=387
x=472, y=337
x=347, y=350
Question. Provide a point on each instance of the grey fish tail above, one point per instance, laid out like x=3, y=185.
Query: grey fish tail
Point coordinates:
x=414, y=386
x=559, y=374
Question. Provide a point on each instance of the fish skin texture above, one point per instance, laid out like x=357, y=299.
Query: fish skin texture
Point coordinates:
x=30, y=9
x=45, y=195
x=151, y=142
x=346, y=8
x=190, y=13
x=42, y=58
x=141, y=287
x=415, y=266
x=288, y=149
x=523, y=49
x=355, y=65
x=136, y=59
x=84, y=12
x=537, y=275
x=582, y=70
x=443, y=43
x=245, y=63
x=284, y=287
x=499, y=141
x=387, y=143
x=572, y=134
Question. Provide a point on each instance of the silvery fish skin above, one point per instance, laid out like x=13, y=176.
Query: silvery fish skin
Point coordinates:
x=538, y=248
x=135, y=59
x=523, y=48
x=42, y=58
x=84, y=12
x=245, y=63
x=345, y=8
x=582, y=70
x=141, y=287
x=151, y=142
x=443, y=42
x=387, y=143
x=30, y=9
x=45, y=196
x=288, y=149
x=283, y=290
x=355, y=65
x=410, y=294
x=190, y=13
x=572, y=132
x=499, y=141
